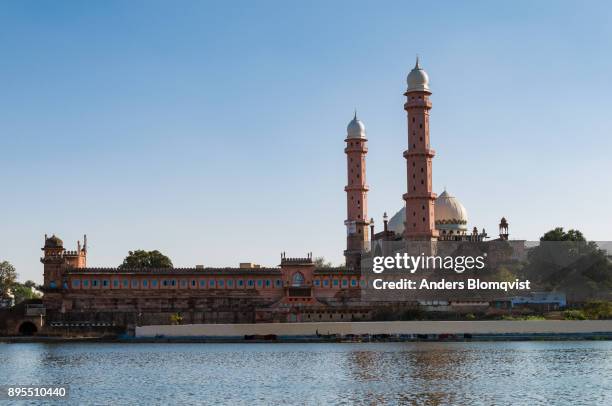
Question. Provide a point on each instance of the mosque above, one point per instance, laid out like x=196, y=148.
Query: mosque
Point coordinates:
x=295, y=290
x=425, y=216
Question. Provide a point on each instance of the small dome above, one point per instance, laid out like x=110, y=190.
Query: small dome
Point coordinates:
x=54, y=242
x=355, y=128
x=396, y=222
x=418, y=80
x=450, y=213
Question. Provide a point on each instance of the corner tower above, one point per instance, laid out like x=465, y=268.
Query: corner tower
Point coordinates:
x=420, y=219
x=356, y=189
x=57, y=259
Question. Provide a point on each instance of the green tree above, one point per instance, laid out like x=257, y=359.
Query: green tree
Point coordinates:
x=574, y=315
x=23, y=292
x=8, y=277
x=566, y=261
x=598, y=310
x=503, y=274
x=176, y=318
x=146, y=259
x=320, y=262
x=559, y=235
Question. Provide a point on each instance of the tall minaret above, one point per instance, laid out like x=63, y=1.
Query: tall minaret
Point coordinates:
x=356, y=193
x=420, y=220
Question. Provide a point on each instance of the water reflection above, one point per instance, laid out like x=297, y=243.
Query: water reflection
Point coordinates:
x=537, y=373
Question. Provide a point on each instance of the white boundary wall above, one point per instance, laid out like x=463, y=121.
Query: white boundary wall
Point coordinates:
x=379, y=327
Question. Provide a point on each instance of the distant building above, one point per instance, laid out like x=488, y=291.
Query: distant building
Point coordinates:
x=540, y=301
x=8, y=300
x=536, y=301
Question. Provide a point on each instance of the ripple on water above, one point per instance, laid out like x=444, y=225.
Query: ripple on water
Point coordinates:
x=533, y=373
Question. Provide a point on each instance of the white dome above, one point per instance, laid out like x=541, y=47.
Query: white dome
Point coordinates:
x=448, y=211
x=396, y=222
x=418, y=80
x=355, y=128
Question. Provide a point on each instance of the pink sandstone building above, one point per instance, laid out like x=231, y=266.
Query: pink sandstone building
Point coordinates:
x=295, y=290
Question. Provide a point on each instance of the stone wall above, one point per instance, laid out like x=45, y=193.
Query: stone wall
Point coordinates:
x=386, y=327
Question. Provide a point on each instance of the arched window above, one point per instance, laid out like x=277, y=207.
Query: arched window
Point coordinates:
x=298, y=279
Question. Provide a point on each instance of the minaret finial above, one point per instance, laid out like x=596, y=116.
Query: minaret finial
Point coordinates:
x=355, y=118
x=417, y=66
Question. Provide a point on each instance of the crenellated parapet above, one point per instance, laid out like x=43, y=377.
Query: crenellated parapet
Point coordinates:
x=174, y=271
x=296, y=260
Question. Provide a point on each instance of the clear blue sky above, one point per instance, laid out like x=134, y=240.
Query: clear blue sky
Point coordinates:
x=213, y=131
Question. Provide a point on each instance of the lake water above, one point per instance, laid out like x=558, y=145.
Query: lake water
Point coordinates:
x=500, y=373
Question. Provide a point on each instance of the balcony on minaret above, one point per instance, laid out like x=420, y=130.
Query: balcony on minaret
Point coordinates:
x=360, y=187
x=417, y=101
x=428, y=153
x=358, y=146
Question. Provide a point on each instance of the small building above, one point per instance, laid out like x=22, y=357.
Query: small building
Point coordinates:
x=537, y=301
x=7, y=301
x=540, y=301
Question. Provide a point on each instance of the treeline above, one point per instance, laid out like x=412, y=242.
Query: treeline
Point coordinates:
x=11, y=291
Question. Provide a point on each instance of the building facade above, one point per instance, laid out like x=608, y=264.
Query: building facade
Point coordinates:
x=296, y=289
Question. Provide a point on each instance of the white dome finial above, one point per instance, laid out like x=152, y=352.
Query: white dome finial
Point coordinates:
x=418, y=80
x=355, y=128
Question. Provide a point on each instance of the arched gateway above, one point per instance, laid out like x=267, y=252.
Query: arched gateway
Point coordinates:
x=27, y=328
